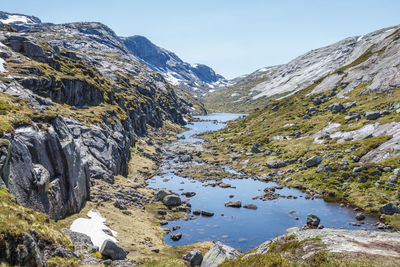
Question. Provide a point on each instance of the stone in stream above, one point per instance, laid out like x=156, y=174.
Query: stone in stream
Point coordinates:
x=313, y=220
x=218, y=254
x=196, y=212
x=224, y=185
x=360, y=217
x=189, y=194
x=161, y=193
x=233, y=204
x=163, y=222
x=194, y=257
x=250, y=206
x=111, y=250
x=176, y=237
x=207, y=213
x=172, y=200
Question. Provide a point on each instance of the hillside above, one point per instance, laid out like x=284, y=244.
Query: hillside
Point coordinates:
x=73, y=103
x=196, y=78
x=371, y=59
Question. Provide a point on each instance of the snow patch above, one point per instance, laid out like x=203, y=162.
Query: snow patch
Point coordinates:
x=2, y=67
x=93, y=227
x=15, y=18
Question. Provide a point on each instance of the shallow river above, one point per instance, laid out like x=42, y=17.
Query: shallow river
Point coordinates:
x=239, y=227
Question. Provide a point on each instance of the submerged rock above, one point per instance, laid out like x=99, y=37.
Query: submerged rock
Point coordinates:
x=313, y=220
x=250, y=206
x=233, y=204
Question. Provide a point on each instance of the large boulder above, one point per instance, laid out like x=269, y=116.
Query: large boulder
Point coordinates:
x=313, y=220
x=372, y=115
x=111, y=250
x=161, y=193
x=389, y=209
x=312, y=162
x=276, y=164
x=172, y=200
x=194, y=257
x=218, y=254
x=336, y=108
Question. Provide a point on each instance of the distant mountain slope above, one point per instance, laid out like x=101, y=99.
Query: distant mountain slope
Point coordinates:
x=372, y=59
x=19, y=21
x=196, y=77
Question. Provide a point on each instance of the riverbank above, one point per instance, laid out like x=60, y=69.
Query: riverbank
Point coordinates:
x=131, y=211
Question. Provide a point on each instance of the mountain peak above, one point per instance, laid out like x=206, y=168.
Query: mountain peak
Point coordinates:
x=194, y=77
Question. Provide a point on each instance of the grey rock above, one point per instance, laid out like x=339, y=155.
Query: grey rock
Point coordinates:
x=194, y=258
x=172, y=200
x=218, y=254
x=276, y=164
x=359, y=169
x=360, y=217
x=352, y=116
x=313, y=220
x=206, y=213
x=176, y=237
x=111, y=250
x=255, y=149
x=79, y=239
x=312, y=162
x=337, y=108
x=186, y=158
x=250, y=206
x=161, y=193
x=372, y=115
x=389, y=209
x=233, y=204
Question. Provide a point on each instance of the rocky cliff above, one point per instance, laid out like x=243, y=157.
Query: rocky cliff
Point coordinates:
x=73, y=99
x=197, y=78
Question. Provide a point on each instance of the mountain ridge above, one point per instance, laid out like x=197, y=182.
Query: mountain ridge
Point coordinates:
x=350, y=56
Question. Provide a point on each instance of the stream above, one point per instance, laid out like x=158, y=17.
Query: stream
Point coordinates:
x=239, y=227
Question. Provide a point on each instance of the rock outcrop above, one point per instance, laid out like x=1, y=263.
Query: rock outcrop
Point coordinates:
x=218, y=254
x=88, y=98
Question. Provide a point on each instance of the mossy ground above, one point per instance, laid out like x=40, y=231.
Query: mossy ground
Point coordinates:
x=264, y=124
x=15, y=219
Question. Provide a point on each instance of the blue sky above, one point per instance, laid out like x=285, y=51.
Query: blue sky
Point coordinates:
x=232, y=36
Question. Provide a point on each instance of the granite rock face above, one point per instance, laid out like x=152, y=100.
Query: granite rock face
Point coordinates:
x=47, y=164
x=218, y=254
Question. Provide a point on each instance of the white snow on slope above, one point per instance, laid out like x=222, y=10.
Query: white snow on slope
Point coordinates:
x=93, y=227
x=15, y=18
x=2, y=68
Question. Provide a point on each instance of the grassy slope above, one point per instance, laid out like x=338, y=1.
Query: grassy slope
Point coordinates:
x=15, y=219
x=263, y=124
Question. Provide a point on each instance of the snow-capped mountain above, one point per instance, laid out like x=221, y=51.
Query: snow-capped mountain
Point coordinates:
x=198, y=78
